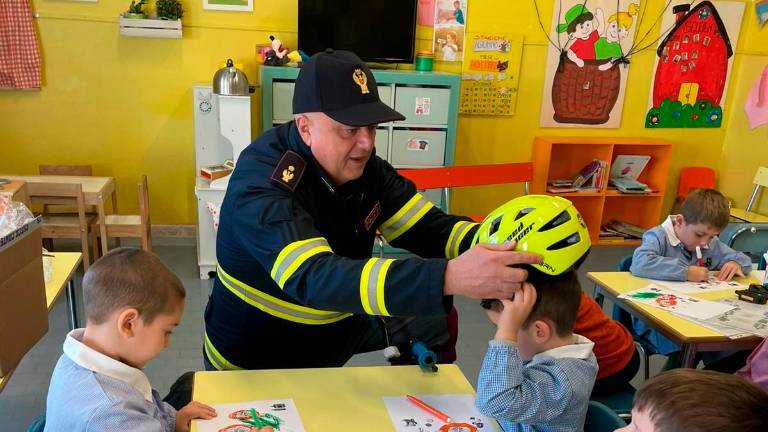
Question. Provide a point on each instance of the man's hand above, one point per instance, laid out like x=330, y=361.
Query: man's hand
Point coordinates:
x=483, y=272
x=515, y=312
x=729, y=270
x=193, y=410
x=698, y=274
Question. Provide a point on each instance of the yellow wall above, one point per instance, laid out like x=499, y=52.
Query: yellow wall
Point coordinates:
x=125, y=106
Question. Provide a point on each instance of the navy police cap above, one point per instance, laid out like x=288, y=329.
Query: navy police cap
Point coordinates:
x=340, y=85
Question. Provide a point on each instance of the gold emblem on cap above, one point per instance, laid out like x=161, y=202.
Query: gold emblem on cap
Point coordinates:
x=360, y=79
x=288, y=173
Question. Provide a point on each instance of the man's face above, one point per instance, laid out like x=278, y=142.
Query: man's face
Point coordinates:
x=341, y=150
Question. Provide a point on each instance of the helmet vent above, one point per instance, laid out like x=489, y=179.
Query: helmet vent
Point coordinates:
x=556, y=222
x=564, y=243
x=523, y=212
x=495, y=226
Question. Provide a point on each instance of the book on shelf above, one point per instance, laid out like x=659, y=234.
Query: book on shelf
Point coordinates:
x=630, y=186
x=624, y=229
x=629, y=166
x=591, y=178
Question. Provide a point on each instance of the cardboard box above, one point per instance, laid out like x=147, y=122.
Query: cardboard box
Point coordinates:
x=23, y=306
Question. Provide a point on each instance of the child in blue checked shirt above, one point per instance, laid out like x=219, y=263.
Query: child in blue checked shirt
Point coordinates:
x=668, y=251
x=537, y=374
x=132, y=303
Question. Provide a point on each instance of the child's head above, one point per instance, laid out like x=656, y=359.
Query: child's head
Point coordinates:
x=452, y=37
x=703, y=214
x=690, y=400
x=457, y=4
x=133, y=302
x=553, y=315
x=620, y=23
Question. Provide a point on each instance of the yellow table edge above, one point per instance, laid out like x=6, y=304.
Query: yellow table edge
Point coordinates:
x=65, y=264
x=685, y=330
x=361, y=389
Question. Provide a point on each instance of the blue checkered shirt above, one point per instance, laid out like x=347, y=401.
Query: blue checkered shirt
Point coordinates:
x=91, y=392
x=548, y=393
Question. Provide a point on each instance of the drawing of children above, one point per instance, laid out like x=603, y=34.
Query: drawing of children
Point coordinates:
x=582, y=34
x=609, y=45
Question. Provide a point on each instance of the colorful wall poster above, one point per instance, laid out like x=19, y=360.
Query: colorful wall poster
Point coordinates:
x=692, y=65
x=449, y=30
x=490, y=73
x=229, y=5
x=586, y=72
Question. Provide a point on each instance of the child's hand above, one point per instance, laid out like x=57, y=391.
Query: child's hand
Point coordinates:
x=698, y=274
x=193, y=410
x=729, y=270
x=515, y=312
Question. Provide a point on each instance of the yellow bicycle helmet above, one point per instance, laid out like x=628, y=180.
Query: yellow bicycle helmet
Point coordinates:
x=543, y=224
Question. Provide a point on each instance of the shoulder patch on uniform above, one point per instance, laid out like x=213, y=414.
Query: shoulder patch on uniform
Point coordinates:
x=289, y=170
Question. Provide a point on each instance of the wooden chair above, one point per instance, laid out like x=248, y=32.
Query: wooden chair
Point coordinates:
x=135, y=226
x=66, y=170
x=64, y=225
x=747, y=215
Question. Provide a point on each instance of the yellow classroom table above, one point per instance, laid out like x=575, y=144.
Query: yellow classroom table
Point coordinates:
x=331, y=399
x=691, y=337
x=64, y=266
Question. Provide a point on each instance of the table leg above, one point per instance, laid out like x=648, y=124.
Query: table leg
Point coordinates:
x=72, y=304
x=597, y=295
x=114, y=211
x=102, y=226
x=688, y=355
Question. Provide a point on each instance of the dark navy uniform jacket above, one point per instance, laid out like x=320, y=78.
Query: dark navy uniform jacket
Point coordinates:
x=295, y=280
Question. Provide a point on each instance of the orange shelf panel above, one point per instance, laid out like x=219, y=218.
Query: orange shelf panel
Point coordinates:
x=611, y=192
x=618, y=242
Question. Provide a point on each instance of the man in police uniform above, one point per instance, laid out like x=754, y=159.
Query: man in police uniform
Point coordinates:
x=296, y=284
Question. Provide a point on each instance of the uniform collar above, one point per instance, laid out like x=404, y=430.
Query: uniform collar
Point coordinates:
x=669, y=228
x=580, y=349
x=88, y=358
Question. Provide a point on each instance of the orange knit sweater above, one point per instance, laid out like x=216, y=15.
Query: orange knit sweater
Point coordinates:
x=613, y=343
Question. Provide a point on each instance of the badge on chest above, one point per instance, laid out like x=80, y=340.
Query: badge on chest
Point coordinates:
x=372, y=216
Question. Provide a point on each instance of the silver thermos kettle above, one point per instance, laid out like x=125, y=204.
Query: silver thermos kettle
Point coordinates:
x=230, y=81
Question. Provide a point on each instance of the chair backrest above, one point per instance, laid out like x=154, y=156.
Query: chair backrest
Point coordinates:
x=695, y=178
x=624, y=264
x=600, y=418
x=761, y=177
x=57, y=193
x=66, y=170
x=144, y=200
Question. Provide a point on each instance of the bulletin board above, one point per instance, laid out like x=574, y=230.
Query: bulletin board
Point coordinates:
x=490, y=73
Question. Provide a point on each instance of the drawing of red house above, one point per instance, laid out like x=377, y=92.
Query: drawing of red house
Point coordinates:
x=693, y=57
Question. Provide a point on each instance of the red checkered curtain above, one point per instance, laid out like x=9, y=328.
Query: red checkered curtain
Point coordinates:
x=19, y=54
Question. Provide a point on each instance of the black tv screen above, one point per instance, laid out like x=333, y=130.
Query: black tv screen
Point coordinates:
x=375, y=30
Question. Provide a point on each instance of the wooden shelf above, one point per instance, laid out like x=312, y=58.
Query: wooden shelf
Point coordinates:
x=618, y=242
x=151, y=28
x=615, y=193
x=563, y=157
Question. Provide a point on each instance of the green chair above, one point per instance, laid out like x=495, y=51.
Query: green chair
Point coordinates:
x=38, y=424
x=600, y=418
x=620, y=401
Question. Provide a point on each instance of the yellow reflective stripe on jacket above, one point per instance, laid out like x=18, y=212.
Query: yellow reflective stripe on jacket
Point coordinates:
x=459, y=231
x=275, y=306
x=294, y=255
x=217, y=360
x=372, y=282
x=405, y=218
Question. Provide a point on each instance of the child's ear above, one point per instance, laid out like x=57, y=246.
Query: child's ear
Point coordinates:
x=127, y=321
x=542, y=331
x=680, y=219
